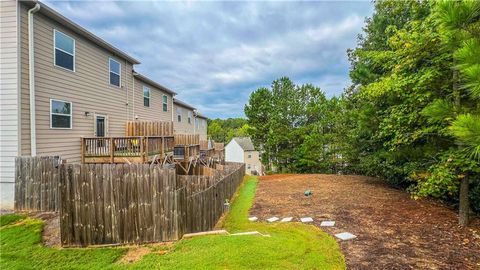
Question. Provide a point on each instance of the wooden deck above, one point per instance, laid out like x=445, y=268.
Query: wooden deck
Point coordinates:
x=132, y=149
x=187, y=147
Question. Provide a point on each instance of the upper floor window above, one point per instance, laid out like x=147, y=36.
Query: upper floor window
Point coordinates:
x=249, y=156
x=64, y=50
x=115, y=67
x=146, y=96
x=189, y=117
x=165, y=103
x=60, y=114
x=179, y=114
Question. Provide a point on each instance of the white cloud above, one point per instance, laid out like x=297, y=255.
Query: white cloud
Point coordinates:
x=215, y=53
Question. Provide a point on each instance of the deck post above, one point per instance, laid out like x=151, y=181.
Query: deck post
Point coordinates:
x=111, y=149
x=145, y=156
x=142, y=149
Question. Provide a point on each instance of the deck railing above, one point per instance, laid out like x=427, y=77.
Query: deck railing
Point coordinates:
x=136, y=149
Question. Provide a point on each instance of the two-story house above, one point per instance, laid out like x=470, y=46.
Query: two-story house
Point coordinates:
x=241, y=149
x=59, y=82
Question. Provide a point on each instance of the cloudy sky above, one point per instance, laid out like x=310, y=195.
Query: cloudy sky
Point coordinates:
x=214, y=54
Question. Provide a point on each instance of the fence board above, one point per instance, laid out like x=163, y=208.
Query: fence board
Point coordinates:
x=124, y=203
x=36, y=183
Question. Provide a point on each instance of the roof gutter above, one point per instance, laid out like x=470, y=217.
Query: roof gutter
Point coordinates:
x=31, y=79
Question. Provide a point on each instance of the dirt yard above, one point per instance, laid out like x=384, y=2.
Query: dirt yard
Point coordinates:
x=393, y=231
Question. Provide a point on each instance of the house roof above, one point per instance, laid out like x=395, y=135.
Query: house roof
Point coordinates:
x=153, y=83
x=183, y=104
x=245, y=143
x=54, y=15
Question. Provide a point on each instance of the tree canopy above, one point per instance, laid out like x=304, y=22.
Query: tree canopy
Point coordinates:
x=411, y=115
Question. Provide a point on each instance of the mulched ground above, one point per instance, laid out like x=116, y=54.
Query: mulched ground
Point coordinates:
x=393, y=231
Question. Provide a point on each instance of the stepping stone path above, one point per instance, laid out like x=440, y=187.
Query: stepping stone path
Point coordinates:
x=272, y=219
x=253, y=219
x=345, y=236
x=327, y=223
x=306, y=219
x=287, y=219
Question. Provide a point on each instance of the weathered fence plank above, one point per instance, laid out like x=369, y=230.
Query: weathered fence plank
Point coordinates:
x=36, y=184
x=123, y=203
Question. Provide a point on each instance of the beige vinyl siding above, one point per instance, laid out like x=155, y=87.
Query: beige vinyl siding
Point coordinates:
x=155, y=111
x=9, y=101
x=253, y=161
x=88, y=89
x=201, y=129
x=183, y=127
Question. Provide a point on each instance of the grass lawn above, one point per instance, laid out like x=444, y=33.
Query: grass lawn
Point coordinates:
x=291, y=246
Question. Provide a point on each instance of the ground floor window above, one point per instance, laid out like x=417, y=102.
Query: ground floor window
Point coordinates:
x=60, y=114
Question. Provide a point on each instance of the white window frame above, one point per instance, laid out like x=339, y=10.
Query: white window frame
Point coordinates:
x=51, y=113
x=189, y=117
x=110, y=71
x=55, y=48
x=149, y=93
x=164, y=102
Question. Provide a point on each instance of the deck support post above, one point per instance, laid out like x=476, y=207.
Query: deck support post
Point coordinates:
x=111, y=150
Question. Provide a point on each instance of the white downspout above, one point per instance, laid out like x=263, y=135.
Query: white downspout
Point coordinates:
x=31, y=79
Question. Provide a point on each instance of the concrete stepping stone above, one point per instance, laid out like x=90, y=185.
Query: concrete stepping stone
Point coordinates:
x=327, y=223
x=306, y=219
x=345, y=236
x=272, y=219
x=253, y=219
x=287, y=219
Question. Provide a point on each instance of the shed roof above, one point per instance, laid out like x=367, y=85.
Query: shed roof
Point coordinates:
x=245, y=143
x=54, y=15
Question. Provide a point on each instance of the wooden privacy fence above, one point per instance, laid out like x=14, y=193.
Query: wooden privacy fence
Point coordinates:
x=148, y=128
x=207, y=195
x=124, y=203
x=36, y=183
x=119, y=203
x=187, y=139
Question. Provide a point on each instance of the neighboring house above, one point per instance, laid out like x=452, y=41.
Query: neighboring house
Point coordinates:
x=201, y=126
x=241, y=149
x=59, y=82
x=184, y=113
